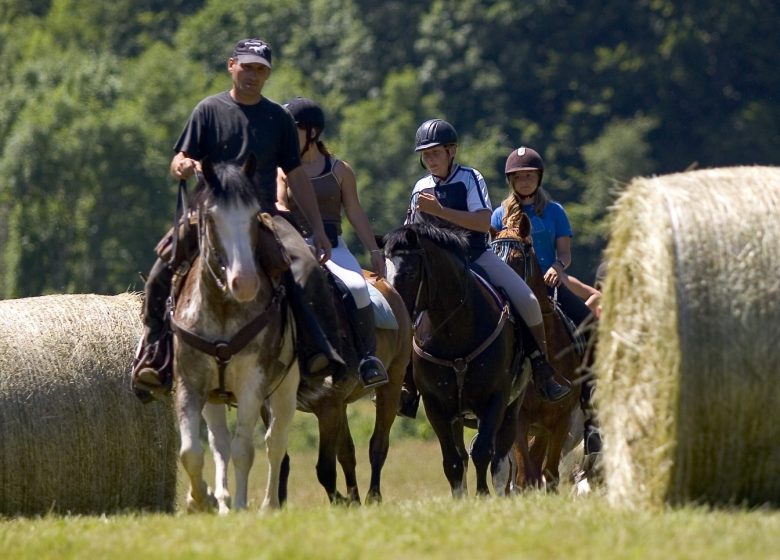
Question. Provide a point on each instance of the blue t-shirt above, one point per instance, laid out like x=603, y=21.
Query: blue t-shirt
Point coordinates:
x=545, y=229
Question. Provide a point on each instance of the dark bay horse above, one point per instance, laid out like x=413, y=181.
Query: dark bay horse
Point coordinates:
x=542, y=426
x=464, y=361
x=329, y=404
x=232, y=339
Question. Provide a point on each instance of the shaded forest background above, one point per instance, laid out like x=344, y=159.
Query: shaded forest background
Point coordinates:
x=93, y=95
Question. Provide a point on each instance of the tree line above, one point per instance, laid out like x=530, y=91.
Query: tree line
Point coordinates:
x=94, y=94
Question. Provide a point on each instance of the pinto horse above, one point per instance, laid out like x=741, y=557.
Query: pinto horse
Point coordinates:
x=329, y=404
x=464, y=361
x=542, y=426
x=232, y=339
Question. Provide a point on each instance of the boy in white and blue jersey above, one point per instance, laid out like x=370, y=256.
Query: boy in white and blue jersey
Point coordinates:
x=456, y=196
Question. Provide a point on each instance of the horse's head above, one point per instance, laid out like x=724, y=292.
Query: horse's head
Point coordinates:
x=233, y=232
x=418, y=252
x=514, y=246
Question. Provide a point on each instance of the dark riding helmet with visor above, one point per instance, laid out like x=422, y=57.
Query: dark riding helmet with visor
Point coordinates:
x=435, y=132
x=523, y=159
x=309, y=116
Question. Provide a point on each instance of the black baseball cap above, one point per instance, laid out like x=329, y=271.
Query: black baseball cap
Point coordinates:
x=252, y=50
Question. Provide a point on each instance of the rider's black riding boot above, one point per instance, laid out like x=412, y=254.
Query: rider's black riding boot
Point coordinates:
x=152, y=373
x=372, y=371
x=316, y=355
x=591, y=433
x=543, y=373
x=410, y=397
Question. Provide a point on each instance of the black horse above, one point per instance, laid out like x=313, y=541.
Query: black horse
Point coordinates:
x=464, y=360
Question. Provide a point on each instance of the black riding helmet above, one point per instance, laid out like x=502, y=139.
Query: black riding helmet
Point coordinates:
x=308, y=115
x=434, y=132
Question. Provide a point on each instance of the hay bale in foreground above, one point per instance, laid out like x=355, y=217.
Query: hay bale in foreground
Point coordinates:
x=689, y=356
x=73, y=437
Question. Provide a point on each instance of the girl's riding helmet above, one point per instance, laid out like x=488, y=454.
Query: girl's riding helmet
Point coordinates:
x=434, y=132
x=524, y=158
x=306, y=112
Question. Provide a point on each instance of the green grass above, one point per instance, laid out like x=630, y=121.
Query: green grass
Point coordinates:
x=418, y=519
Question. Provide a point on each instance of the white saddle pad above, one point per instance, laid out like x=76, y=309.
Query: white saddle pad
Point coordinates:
x=383, y=314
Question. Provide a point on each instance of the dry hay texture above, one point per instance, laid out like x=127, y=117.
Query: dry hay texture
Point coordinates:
x=689, y=355
x=73, y=437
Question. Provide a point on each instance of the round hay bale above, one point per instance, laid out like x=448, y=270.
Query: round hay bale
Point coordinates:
x=689, y=357
x=73, y=437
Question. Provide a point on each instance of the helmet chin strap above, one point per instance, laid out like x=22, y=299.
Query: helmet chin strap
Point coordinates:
x=449, y=168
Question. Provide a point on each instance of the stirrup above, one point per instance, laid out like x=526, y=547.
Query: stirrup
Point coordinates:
x=544, y=380
x=372, y=372
x=151, y=376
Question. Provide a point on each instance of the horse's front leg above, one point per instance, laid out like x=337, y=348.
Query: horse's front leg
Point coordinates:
x=503, y=466
x=484, y=445
x=282, y=404
x=331, y=418
x=348, y=463
x=219, y=441
x=387, y=397
x=454, y=461
x=554, y=448
x=188, y=408
x=242, y=446
x=527, y=475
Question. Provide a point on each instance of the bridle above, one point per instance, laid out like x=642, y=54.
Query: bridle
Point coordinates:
x=206, y=250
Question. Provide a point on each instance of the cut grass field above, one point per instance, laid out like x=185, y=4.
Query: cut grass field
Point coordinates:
x=418, y=519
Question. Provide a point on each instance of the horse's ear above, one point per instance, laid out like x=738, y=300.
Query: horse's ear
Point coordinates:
x=380, y=241
x=524, y=227
x=250, y=165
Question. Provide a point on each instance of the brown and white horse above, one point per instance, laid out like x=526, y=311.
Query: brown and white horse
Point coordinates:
x=232, y=339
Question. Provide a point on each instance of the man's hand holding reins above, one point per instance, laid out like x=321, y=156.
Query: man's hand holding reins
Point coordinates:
x=183, y=167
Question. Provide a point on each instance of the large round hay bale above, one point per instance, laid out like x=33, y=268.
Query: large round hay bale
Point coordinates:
x=73, y=437
x=689, y=354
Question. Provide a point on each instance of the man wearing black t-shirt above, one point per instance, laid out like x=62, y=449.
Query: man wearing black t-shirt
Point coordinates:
x=229, y=126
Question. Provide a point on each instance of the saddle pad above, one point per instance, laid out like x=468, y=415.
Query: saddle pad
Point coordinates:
x=383, y=314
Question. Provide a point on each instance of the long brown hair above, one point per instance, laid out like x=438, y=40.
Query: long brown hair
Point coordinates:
x=513, y=208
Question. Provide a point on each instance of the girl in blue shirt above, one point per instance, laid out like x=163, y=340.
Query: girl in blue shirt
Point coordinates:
x=551, y=233
x=550, y=226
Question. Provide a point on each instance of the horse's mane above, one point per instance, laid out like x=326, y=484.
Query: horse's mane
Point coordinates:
x=405, y=237
x=226, y=183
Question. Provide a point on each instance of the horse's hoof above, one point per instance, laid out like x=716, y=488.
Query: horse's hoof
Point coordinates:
x=373, y=498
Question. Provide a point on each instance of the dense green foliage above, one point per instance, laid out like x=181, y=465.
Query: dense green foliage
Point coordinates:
x=94, y=93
